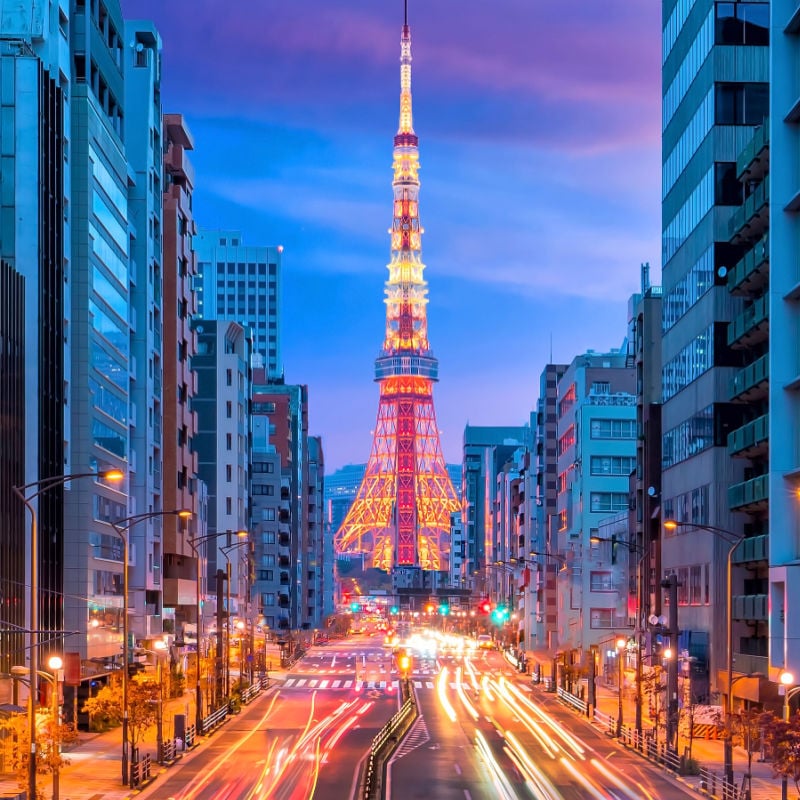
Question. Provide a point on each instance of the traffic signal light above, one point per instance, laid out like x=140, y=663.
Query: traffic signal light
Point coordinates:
x=394, y=610
x=404, y=662
x=485, y=606
x=444, y=609
x=355, y=606
x=500, y=614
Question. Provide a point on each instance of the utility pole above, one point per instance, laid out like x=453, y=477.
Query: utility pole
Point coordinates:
x=218, y=674
x=671, y=585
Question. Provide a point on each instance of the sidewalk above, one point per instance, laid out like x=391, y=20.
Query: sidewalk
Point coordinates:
x=708, y=752
x=95, y=763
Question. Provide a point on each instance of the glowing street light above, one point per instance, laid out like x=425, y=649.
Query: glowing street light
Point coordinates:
x=40, y=487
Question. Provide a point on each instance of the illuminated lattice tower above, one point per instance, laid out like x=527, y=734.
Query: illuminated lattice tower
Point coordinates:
x=401, y=514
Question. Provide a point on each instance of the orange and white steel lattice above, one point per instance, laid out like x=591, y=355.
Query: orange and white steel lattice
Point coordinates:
x=401, y=513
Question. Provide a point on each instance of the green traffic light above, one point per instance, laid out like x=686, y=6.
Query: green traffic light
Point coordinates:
x=394, y=610
x=444, y=610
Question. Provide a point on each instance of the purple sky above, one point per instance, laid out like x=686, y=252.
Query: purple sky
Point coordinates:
x=539, y=126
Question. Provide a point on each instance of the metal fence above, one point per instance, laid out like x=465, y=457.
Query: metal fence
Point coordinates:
x=374, y=766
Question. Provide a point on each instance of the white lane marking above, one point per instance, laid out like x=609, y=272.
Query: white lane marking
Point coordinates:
x=467, y=795
x=457, y=768
x=333, y=660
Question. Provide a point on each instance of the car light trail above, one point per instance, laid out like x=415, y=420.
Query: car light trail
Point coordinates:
x=587, y=784
x=540, y=786
x=618, y=781
x=574, y=744
x=441, y=691
x=462, y=695
x=501, y=784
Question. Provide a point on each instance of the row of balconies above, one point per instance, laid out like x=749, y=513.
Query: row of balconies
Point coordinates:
x=752, y=549
x=751, y=382
x=750, y=607
x=752, y=325
x=752, y=272
x=752, y=495
x=751, y=220
x=751, y=439
x=753, y=162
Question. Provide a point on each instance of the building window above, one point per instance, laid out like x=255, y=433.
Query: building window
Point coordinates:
x=228, y=441
x=612, y=465
x=268, y=599
x=741, y=103
x=601, y=618
x=228, y=505
x=613, y=429
x=601, y=581
x=228, y=377
x=263, y=466
x=742, y=23
x=268, y=537
x=695, y=584
x=228, y=473
x=268, y=515
x=567, y=440
x=228, y=409
x=608, y=501
x=683, y=586
x=601, y=387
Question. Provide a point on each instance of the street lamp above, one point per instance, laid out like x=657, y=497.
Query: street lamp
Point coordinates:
x=672, y=525
x=121, y=527
x=789, y=690
x=228, y=571
x=620, y=644
x=160, y=650
x=198, y=693
x=54, y=664
x=42, y=486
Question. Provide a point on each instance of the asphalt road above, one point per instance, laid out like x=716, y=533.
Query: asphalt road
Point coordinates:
x=483, y=732
x=304, y=740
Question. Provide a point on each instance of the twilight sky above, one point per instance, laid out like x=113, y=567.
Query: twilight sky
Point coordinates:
x=539, y=125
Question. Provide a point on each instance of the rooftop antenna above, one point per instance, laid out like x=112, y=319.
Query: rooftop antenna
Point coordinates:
x=551, y=347
x=405, y=13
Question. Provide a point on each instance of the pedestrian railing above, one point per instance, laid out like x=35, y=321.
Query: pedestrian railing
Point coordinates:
x=605, y=721
x=191, y=735
x=718, y=787
x=140, y=771
x=572, y=700
x=253, y=690
x=213, y=719
x=169, y=752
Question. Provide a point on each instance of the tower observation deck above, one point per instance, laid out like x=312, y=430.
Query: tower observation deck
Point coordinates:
x=401, y=514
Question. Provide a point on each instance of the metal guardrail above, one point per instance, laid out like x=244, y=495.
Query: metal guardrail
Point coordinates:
x=213, y=719
x=645, y=744
x=190, y=736
x=572, y=700
x=374, y=768
x=140, y=771
x=254, y=689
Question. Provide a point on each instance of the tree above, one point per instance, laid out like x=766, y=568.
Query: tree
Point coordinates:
x=783, y=739
x=105, y=708
x=51, y=736
x=144, y=698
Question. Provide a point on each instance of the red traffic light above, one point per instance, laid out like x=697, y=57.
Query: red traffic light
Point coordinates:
x=485, y=607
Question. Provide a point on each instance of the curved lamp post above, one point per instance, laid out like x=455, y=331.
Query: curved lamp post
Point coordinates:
x=121, y=527
x=787, y=680
x=198, y=693
x=640, y=552
x=672, y=525
x=41, y=487
x=228, y=572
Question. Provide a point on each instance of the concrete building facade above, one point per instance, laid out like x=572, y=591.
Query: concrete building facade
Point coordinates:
x=243, y=284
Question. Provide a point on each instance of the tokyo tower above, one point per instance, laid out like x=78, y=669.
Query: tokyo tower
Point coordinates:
x=401, y=514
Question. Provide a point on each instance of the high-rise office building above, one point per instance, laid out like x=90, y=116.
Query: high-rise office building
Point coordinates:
x=542, y=512
x=222, y=440
x=99, y=331
x=143, y=145
x=243, y=284
x=34, y=243
x=783, y=365
x=180, y=489
x=595, y=455
x=715, y=89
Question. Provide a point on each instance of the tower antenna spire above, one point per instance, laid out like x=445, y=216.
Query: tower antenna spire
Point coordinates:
x=401, y=513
